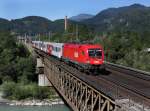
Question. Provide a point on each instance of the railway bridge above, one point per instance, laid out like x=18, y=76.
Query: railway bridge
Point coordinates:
x=119, y=89
x=77, y=92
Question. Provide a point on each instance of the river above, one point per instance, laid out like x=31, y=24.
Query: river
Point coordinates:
x=34, y=108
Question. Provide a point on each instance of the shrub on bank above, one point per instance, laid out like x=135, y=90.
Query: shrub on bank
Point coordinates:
x=8, y=89
x=18, y=91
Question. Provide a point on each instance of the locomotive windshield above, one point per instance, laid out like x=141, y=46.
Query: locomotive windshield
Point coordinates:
x=95, y=53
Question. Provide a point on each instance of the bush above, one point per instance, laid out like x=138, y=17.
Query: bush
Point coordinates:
x=19, y=91
x=8, y=89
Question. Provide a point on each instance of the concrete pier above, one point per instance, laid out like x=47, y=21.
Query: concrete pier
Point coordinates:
x=42, y=79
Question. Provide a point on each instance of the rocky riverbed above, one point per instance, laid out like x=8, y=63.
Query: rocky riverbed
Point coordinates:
x=34, y=102
x=30, y=102
x=44, y=102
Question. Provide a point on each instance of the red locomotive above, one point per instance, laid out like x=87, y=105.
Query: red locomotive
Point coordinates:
x=83, y=56
x=86, y=56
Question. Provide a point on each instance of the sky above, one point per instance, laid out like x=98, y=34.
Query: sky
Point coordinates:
x=58, y=9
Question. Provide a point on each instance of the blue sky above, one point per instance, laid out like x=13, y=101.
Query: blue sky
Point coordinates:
x=56, y=9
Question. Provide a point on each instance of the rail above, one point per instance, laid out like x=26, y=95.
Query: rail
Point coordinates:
x=128, y=96
x=128, y=70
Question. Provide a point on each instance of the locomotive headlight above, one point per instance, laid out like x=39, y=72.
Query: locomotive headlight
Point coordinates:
x=88, y=61
x=96, y=61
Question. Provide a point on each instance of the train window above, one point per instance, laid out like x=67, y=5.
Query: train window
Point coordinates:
x=55, y=49
x=58, y=49
x=95, y=53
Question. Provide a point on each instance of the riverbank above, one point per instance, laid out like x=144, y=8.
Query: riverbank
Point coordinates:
x=35, y=108
x=34, y=102
x=30, y=102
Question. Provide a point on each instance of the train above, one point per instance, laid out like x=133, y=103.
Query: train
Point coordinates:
x=82, y=56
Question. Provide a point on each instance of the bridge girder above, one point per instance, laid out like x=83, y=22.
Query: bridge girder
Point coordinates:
x=78, y=94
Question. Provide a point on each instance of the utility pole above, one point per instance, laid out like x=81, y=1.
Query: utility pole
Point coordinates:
x=36, y=37
x=49, y=35
x=25, y=38
x=77, y=32
x=39, y=36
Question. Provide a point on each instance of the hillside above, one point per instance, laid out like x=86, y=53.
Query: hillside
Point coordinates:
x=35, y=24
x=5, y=24
x=130, y=18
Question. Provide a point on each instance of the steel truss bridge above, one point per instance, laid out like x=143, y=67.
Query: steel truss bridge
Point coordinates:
x=79, y=95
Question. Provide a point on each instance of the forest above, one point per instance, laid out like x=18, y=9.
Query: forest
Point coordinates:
x=18, y=79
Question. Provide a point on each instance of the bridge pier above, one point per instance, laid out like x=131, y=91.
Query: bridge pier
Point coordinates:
x=42, y=78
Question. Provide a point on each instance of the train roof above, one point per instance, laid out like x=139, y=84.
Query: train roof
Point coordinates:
x=84, y=45
x=48, y=42
x=87, y=45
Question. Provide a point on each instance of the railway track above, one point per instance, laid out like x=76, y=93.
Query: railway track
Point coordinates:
x=128, y=71
x=119, y=84
x=135, y=82
x=132, y=83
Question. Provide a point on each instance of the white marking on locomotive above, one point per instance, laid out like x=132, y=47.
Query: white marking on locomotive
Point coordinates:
x=76, y=55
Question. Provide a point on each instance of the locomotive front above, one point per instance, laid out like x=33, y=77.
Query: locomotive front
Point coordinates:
x=95, y=54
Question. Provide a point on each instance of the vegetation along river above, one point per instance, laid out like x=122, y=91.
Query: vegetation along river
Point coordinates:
x=34, y=108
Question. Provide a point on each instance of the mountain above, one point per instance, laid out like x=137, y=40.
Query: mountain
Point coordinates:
x=134, y=18
x=35, y=24
x=81, y=17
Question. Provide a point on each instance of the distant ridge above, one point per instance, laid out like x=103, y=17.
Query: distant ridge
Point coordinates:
x=34, y=25
x=81, y=17
x=134, y=18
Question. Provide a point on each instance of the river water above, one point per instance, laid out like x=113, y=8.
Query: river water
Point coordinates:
x=34, y=108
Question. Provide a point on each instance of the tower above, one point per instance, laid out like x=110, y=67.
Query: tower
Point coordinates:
x=66, y=23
